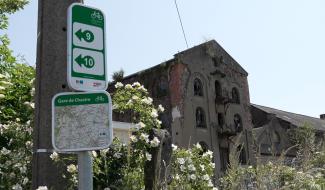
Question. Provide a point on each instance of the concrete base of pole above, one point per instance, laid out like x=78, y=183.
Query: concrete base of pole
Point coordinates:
x=85, y=171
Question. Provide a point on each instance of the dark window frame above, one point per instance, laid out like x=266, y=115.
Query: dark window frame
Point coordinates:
x=200, y=118
x=238, y=122
x=198, y=87
x=235, y=95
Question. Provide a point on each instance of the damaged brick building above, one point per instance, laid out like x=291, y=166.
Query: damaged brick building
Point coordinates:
x=205, y=93
x=206, y=97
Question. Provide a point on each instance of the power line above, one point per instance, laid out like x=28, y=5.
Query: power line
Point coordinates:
x=180, y=20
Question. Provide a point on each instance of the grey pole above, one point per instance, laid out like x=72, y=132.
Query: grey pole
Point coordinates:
x=50, y=79
x=85, y=171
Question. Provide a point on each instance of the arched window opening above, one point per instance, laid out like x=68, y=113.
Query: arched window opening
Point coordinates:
x=204, y=146
x=198, y=87
x=218, y=89
x=238, y=123
x=221, y=120
x=200, y=117
x=161, y=87
x=242, y=154
x=235, y=96
x=276, y=140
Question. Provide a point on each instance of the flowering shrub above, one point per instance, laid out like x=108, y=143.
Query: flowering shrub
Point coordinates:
x=191, y=169
x=16, y=108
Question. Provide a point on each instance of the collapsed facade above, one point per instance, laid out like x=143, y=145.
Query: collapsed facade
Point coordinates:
x=273, y=130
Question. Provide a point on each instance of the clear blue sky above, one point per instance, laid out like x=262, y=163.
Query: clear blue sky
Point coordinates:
x=280, y=43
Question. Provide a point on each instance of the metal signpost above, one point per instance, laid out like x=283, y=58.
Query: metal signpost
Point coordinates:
x=86, y=48
x=82, y=121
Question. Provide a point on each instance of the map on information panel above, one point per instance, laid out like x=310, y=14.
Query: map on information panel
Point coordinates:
x=81, y=121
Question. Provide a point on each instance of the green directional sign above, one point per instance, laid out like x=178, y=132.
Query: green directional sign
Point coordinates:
x=81, y=121
x=86, y=48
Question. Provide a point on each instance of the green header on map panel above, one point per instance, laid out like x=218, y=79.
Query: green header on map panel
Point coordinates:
x=81, y=99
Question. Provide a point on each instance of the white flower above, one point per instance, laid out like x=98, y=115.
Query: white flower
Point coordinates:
x=130, y=102
x=142, y=88
x=2, y=96
x=133, y=138
x=210, y=183
x=206, y=177
x=147, y=100
x=2, y=88
x=214, y=188
x=23, y=169
x=148, y=156
x=193, y=177
x=161, y=108
x=158, y=121
x=154, y=113
x=202, y=167
x=144, y=137
x=107, y=188
x=191, y=167
x=182, y=167
x=177, y=176
x=25, y=181
x=118, y=85
x=174, y=147
x=213, y=165
x=181, y=161
x=104, y=151
x=54, y=156
x=140, y=125
x=2, y=76
x=32, y=92
x=117, y=155
x=5, y=151
x=28, y=144
x=72, y=168
x=94, y=153
x=42, y=188
x=154, y=142
x=134, y=97
x=32, y=105
x=17, y=187
x=208, y=153
x=128, y=86
x=136, y=84
x=198, y=146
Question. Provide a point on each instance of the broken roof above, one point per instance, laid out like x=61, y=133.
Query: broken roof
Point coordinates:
x=293, y=118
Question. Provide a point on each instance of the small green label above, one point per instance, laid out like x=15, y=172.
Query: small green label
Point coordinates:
x=81, y=99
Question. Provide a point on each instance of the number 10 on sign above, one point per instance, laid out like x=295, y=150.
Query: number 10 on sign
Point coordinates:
x=86, y=48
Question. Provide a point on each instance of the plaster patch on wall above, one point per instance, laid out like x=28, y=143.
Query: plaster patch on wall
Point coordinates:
x=176, y=113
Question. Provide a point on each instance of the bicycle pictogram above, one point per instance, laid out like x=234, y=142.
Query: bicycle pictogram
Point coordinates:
x=96, y=15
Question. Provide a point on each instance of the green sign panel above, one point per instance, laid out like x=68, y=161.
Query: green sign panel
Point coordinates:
x=81, y=121
x=86, y=48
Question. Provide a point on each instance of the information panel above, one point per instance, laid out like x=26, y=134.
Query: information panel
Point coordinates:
x=81, y=121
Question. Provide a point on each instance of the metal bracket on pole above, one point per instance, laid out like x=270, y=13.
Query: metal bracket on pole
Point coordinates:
x=85, y=171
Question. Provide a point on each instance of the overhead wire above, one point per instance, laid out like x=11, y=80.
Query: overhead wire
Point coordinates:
x=180, y=20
